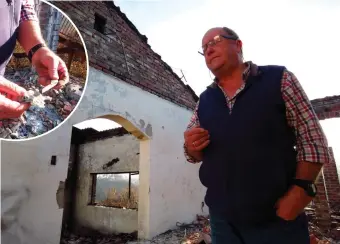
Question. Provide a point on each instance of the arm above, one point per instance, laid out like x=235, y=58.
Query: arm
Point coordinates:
x=311, y=145
x=47, y=64
x=29, y=32
x=193, y=156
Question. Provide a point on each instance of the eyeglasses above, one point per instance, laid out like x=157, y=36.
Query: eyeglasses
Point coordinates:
x=214, y=41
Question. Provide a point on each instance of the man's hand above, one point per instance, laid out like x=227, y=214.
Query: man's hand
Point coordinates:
x=196, y=139
x=9, y=107
x=293, y=203
x=50, y=67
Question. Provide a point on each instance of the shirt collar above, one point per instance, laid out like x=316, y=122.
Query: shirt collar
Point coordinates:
x=250, y=70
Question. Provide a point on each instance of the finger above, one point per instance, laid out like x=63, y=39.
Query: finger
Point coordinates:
x=63, y=73
x=196, y=145
x=10, y=106
x=201, y=140
x=197, y=137
x=195, y=130
x=52, y=67
x=9, y=115
x=44, y=80
x=12, y=109
x=202, y=146
x=11, y=88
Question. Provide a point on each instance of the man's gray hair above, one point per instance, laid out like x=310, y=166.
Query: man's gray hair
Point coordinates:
x=232, y=33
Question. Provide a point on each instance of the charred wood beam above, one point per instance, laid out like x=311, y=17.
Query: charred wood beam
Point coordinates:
x=70, y=50
x=65, y=50
x=70, y=43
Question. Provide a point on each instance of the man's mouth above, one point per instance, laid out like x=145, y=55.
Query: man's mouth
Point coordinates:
x=212, y=59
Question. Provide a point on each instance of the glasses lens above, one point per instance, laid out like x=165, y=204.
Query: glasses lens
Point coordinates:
x=213, y=42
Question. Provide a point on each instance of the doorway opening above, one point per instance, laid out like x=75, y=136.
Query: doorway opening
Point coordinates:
x=107, y=183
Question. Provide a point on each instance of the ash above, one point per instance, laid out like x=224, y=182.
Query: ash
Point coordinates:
x=47, y=110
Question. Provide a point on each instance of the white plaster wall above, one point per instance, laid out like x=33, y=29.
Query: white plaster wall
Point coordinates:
x=92, y=157
x=175, y=193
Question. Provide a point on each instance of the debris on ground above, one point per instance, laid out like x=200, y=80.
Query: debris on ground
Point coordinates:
x=98, y=238
x=198, y=232
x=319, y=236
x=47, y=109
x=184, y=234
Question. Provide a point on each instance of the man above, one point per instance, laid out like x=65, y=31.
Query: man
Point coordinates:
x=261, y=145
x=18, y=21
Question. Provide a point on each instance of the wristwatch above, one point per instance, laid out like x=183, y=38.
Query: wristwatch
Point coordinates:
x=34, y=49
x=308, y=186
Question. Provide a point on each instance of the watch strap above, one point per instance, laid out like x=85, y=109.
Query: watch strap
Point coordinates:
x=302, y=182
x=307, y=185
x=34, y=49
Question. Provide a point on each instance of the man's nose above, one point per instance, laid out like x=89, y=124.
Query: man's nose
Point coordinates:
x=209, y=51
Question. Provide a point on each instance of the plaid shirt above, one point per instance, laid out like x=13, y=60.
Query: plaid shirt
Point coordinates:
x=28, y=11
x=311, y=143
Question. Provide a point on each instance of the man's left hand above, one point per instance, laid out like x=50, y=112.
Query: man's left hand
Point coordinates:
x=50, y=67
x=293, y=203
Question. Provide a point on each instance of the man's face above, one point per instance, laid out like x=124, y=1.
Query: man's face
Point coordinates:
x=221, y=52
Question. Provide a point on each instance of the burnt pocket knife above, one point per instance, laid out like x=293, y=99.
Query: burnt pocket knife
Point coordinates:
x=50, y=86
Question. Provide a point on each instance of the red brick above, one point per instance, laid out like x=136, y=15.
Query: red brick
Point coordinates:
x=108, y=53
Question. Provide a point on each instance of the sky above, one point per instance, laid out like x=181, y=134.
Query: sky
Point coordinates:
x=302, y=35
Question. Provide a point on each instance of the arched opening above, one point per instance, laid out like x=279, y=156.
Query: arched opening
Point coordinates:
x=106, y=190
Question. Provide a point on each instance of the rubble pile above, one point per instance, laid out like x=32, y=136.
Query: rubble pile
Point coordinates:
x=198, y=232
x=46, y=111
x=194, y=233
x=98, y=238
x=319, y=236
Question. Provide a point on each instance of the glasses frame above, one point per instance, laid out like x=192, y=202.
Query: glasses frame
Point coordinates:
x=213, y=42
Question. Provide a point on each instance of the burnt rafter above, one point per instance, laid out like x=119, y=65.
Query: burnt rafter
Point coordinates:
x=70, y=47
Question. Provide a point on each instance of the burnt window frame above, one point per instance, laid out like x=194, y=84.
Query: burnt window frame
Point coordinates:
x=99, y=23
x=93, y=186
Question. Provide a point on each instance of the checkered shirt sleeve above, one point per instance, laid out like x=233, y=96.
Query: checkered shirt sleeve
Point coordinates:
x=311, y=142
x=28, y=11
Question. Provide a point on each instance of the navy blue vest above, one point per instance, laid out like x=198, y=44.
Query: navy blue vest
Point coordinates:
x=251, y=158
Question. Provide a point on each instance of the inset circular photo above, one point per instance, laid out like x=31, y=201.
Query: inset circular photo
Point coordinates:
x=43, y=69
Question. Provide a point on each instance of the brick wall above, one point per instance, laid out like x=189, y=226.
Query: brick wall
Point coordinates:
x=327, y=108
x=328, y=184
x=322, y=212
x=332, y=182
x=123, y=52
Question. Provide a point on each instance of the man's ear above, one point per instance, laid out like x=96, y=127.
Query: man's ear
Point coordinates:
x=239, y=45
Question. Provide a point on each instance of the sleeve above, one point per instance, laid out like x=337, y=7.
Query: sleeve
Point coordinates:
x=28, y=11
x=311, y=142
x=194, y=121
